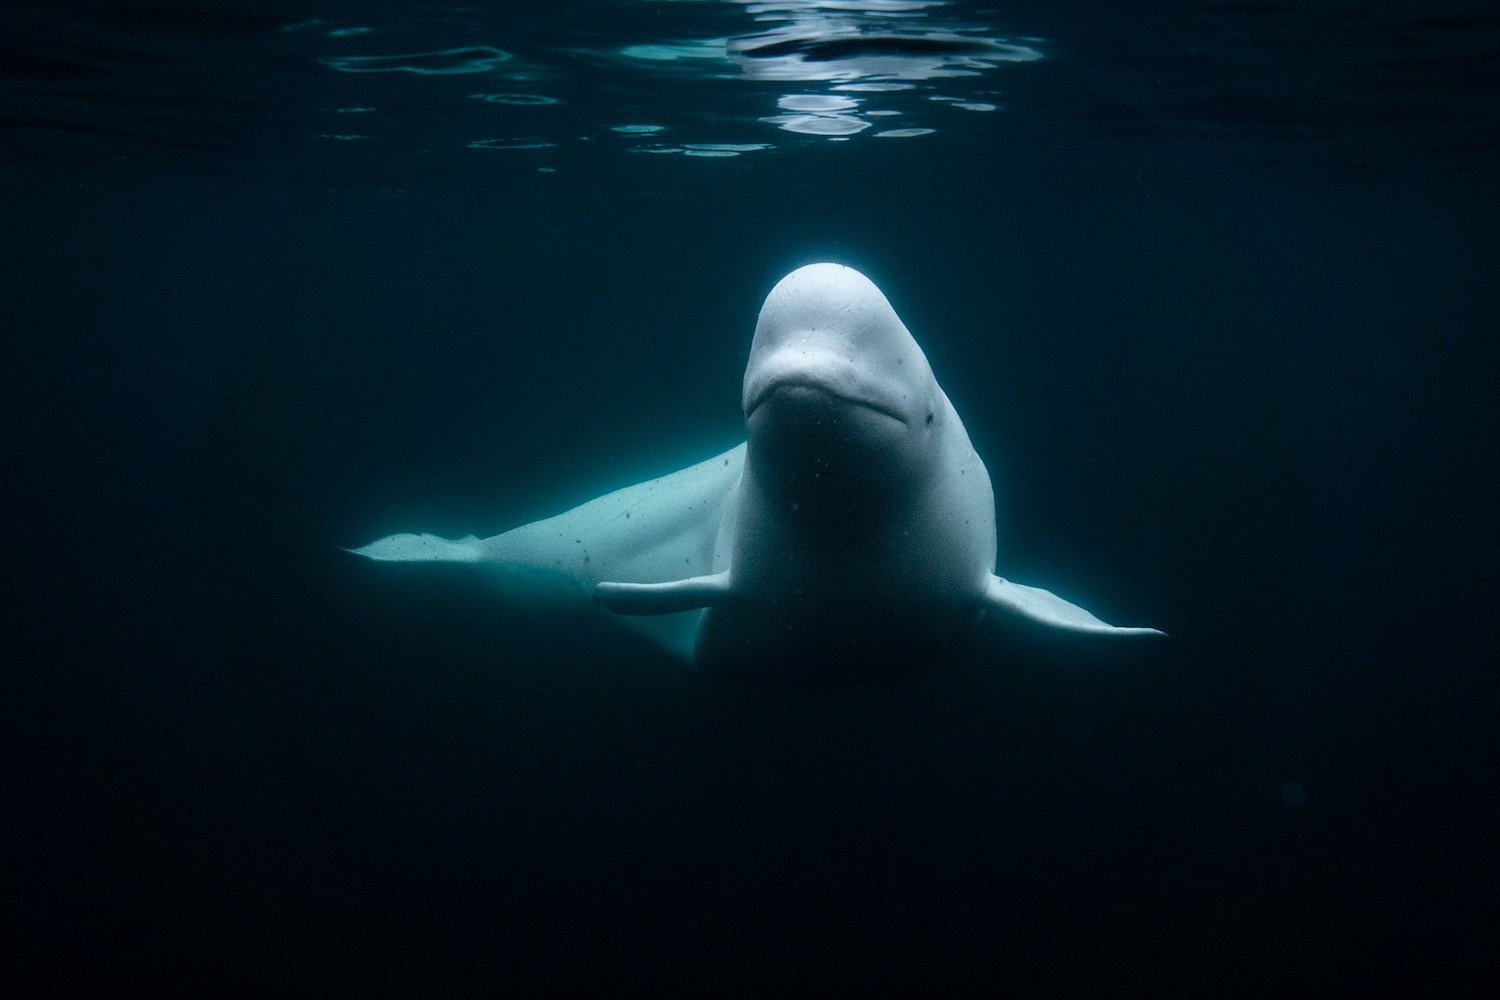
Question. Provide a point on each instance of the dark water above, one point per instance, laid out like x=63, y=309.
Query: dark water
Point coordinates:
x=1213, y=286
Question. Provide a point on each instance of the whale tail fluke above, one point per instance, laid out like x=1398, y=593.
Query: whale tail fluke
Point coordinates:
x=422, y=548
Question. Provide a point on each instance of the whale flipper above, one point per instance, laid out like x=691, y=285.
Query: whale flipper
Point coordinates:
x=663, y=598
x=1046, y=608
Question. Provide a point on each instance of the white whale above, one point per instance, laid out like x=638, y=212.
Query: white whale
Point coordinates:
x=853, y=532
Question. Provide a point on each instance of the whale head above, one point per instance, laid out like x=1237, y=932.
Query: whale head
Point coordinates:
x=836, y=389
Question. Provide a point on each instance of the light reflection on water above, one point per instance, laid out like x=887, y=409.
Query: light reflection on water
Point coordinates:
x=887, y=51
x=1286, y=85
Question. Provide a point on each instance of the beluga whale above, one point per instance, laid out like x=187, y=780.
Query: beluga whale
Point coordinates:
x=851, y=536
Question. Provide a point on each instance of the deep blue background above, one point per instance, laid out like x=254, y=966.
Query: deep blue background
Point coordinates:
x=1230, y=384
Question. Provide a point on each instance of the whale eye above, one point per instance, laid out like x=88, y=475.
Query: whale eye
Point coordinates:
x=929, y=418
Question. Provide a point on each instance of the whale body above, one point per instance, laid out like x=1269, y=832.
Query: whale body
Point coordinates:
x=852, y=534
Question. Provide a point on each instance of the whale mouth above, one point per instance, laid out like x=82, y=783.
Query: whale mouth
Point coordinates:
x=821, y=388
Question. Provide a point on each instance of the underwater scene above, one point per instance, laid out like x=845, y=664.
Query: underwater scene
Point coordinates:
x=767, y=494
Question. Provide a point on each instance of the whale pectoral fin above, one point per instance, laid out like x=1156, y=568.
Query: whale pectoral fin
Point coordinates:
x=421, y=548
x=1047, y=608
x=663, y=598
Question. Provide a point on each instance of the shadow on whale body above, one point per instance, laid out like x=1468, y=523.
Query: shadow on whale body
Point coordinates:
x=851, y=538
